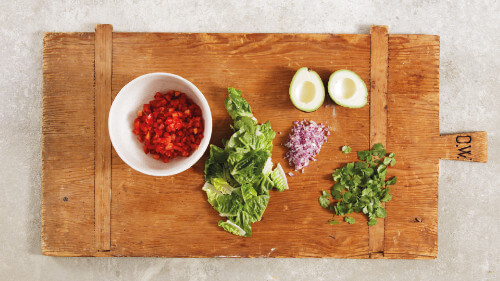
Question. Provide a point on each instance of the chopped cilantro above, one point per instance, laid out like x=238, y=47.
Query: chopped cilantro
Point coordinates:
x=332, y=222
x=391, y=181
x=362, y=155
x=350, y=220
x=361, y=186
x=387, y=161
x=372, y=222
x=346, y=149
x=323, y=199
x=378, y=150
x=326, y=194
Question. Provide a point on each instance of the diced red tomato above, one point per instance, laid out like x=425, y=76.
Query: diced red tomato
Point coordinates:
x=170, y=125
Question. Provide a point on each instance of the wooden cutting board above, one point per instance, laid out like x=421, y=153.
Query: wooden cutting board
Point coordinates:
x=93, y=204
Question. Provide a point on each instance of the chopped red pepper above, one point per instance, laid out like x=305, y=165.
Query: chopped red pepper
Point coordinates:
x=170, y=125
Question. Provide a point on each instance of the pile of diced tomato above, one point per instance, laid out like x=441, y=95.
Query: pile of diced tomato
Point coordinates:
x=171, y=125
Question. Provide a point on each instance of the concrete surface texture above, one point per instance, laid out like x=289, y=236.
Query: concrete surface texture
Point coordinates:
x=469, y=193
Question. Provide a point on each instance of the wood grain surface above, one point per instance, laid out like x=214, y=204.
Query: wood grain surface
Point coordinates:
x=68, y=144
x=102, y=186
x=378, y=114
x=411, y=226
x=170, y=216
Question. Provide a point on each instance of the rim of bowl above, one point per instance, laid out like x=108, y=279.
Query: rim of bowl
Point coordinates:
x=191, y=159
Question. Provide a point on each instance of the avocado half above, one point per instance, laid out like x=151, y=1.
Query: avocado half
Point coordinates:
x=347, y=89
x=307, y=91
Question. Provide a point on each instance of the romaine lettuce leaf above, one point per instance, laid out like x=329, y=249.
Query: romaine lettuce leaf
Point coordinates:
x=214, y=166
x=231, y=227
x=248, y=138
x=237, y=106
x=255, y=207
x=239, y=175
x=279, y=178
x=249, y=167
x=229, y=205
x=266, y=134
x=264, y=185
x=268, y=167
x=222, y=185
x=245, y=123
x=212, y=193
x=247, y=191
x=238, y=143
x=244, y=221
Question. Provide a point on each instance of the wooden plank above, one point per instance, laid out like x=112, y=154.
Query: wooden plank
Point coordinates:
x=170, y=216
x=378, y=114
x=411, y=226
x=465, y=147
x=103, y=61
x=68, y=144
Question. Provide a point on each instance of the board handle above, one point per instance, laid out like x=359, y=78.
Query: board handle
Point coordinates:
x=465, y=147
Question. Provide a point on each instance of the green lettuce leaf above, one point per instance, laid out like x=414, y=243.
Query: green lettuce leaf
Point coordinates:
x=268, y=167
x=212, y=193
x=247, y=139
x=264, y=185
x=231, y=227
x=239, y=175
x=229, y=205
x=279, y=178
x=222, y=185
x=215, y=166
x=247, y=168
x=245, y=123
x=248, y=191
x=237, y=106
x=255, y=207
x=266, y=136
x=244, y=221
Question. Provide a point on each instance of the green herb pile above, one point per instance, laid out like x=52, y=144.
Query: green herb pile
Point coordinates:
x=346, y=149
x=239, y=176
x=361, y=186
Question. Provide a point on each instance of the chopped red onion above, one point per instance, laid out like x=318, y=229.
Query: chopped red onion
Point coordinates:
x=304, y=143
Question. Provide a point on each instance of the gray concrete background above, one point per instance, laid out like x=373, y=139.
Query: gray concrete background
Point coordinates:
x=469, y=200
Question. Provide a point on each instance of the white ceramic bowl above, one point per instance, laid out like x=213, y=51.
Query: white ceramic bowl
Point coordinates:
x=123, y=112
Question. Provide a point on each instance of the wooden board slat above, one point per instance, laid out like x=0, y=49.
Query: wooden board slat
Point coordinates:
x=413, y=124
x=169, y=216
x=102, y=186
x=378, y=114
x=68, y=144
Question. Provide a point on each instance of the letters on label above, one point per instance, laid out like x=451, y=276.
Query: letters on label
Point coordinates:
x=463, y=151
